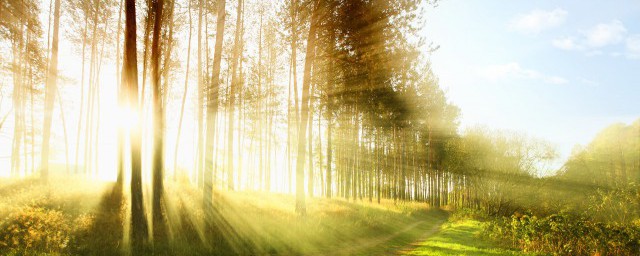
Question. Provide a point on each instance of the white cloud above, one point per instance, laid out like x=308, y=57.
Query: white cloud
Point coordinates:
x=633, y=46
x=567, y=43
x=597, y=37
x=497, y=72
x=513, y=70
x=605, y=34
x=538, y=20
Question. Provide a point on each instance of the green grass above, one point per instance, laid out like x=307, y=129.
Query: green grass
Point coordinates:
x=459, y=238
x=95, y=222
x=74, y=216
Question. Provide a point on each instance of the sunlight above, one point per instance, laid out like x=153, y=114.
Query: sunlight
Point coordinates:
x=318, y=127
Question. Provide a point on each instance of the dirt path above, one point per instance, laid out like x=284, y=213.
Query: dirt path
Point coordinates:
x=397, y=242
x=428, y=233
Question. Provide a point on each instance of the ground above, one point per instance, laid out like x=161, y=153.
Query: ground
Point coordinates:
x=458, y=238
x=74, y=216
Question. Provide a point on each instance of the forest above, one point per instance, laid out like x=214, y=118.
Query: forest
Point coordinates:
x=284, y=127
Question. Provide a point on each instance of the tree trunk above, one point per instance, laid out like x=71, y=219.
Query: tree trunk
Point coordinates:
x=158, y=127
x=18, y=107
x=232, y=95
x=50, y=93
x=139, y=232
x=79, y=126
x=200, y=114
x=64, y=129
x=121, y=104
x=306, y=82
x=212, y=109
x=310, y=174
x=322, y=184
x=329, y=151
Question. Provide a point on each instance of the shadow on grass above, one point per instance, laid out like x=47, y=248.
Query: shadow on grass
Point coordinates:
x=243, y=223
x=104, y=233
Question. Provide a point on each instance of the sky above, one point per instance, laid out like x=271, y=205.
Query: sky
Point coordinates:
x=555, y=70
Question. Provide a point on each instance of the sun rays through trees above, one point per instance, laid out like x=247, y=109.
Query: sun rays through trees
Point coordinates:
x=268, y=127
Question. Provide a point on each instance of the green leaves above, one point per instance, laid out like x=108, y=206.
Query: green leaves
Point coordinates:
x=565, y=234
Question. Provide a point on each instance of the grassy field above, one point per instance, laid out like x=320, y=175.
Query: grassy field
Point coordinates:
x=459, y=238
x=78, y=217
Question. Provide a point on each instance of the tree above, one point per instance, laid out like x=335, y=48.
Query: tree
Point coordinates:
x=200, y=104
x=122, y=102
x=158, y=119
x=139, y=231
x=20, y=25
x=611, y=160
x=50, y=92
x=232, y=94
x=212, y=109
x=304, y=113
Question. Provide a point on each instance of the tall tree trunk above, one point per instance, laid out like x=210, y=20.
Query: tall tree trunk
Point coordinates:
x=64, y=129
x=200, y=102
x=139, y=232
x=302, y=125
x=310, y=174
x=232, y=96
x=329, y=151
x=121, y=104
x=294, y=63
x=149, y=21
x=322, y=184
x=50, y=93
x=18, y=106
x=158, y=127
x=90, y=100
x=260, y=104
x=79, y=126
x=212, y=109
x=32, y=122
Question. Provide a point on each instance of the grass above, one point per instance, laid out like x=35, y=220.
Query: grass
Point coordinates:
x=94, y=216
x=459, y=238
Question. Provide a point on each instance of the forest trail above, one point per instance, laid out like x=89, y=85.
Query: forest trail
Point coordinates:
x=400, y=241
x=457, y=238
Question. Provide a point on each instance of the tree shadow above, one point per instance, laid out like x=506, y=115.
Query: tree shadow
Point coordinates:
x=103, y=232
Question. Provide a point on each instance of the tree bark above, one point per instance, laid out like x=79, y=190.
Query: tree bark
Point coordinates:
x=139, y=232
x=158, y=127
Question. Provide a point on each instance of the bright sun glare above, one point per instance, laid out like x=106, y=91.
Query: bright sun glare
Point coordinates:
x=319, y=127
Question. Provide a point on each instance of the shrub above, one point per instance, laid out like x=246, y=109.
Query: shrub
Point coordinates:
x=469, y=213
x=34, y=229
x=563, y=234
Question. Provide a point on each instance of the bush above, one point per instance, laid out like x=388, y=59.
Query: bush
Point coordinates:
x=34, y=229
x=562, y=234
x=469, y=213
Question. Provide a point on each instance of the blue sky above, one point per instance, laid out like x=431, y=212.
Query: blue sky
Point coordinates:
x=556, y=70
